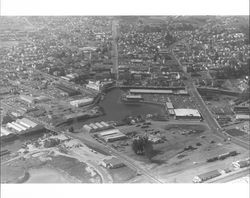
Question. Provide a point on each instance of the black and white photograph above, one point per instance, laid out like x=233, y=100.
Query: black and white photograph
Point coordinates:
x=114, y=98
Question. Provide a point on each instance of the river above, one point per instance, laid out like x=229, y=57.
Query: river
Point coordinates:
x=116, y=110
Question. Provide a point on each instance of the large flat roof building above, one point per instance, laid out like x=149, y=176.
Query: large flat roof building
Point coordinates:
x=149, y=91
x=187, y=114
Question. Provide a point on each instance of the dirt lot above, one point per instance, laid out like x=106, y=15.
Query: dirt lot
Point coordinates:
x=122, y=174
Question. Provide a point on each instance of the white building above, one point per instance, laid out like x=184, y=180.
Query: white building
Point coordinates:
x=242, y=117
x=187, y=114
x=98, y=85
x=81, y=102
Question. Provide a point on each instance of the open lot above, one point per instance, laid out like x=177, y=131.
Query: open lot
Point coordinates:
x=184, y=152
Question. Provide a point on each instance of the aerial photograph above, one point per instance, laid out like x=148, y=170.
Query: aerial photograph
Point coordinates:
x=125, y=99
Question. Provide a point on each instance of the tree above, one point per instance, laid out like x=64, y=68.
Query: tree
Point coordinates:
x=143, y=146
x=71, y=129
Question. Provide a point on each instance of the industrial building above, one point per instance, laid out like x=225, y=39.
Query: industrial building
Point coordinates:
x=112, y=135
x=150, y=91
x=187, y=114
x=94, y=127
x=20, y=126
x=206, y=176
x=81, y=102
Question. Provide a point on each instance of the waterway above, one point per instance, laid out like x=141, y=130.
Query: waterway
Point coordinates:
x=116, y=110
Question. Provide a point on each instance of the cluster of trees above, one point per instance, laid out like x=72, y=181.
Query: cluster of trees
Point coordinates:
x=143, y=146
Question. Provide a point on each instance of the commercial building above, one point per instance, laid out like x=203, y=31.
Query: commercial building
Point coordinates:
x=81, y=102
x=187, y=114
x=206, y=176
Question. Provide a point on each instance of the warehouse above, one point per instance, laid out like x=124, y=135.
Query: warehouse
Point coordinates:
x=150, y=91
x=27, y=122
x=81, y=102
x=242, y=117
x=105, y=124
x=12, y=126
x=87, y=128
x=109, y=132
x=99, y=126
x=19, y=126
x=206, y=176
x=114, y=137
x=187, y=114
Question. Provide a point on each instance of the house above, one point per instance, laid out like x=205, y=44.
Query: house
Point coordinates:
x=112, y=163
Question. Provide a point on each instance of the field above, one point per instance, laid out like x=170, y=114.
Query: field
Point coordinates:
x=122, y=174
x=184, y=153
